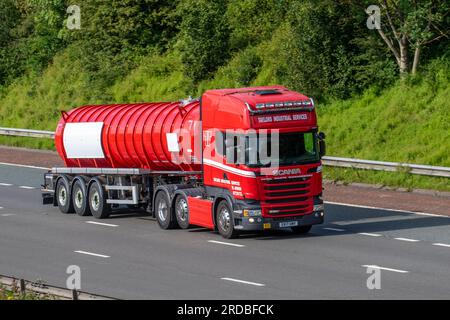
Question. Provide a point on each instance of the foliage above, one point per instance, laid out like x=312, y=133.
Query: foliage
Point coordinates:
x=204, y=37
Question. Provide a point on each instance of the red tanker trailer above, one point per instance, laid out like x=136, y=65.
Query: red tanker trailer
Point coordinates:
x=235, y=160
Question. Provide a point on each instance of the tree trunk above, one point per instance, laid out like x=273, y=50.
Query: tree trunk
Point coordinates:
x=404, y=61
x=416, y=59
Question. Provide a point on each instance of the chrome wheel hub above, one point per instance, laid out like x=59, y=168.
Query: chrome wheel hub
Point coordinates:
x=62, y=196
x=182, y=210
x=162, y=210
x=95, y=201
x=224, y=219
x=79, y=198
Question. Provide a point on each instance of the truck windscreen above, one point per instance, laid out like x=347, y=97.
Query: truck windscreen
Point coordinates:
x=293, y=148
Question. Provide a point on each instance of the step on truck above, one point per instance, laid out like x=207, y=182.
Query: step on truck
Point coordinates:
x=235, y=160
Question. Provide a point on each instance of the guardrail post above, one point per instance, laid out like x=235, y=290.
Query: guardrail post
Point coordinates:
x=22, y=286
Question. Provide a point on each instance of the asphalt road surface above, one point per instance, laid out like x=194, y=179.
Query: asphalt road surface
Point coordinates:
x=129, y=257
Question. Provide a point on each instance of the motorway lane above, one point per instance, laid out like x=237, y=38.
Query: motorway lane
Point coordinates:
x=38, y=242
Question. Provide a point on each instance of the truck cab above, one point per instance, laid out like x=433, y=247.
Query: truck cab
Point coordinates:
x=262, y=159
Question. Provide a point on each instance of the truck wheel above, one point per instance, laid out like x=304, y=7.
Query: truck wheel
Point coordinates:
x=225, y=221
x=79, y=198
x=163, y=211
x=97, y=201
x=182, y=211
x=301, y=229
x=63, y=198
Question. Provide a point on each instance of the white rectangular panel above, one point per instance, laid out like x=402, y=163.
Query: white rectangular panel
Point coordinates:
x=83, y=140
x=172, y=142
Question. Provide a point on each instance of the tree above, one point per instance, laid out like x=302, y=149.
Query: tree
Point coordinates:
x=410, y=26
x=204, y=37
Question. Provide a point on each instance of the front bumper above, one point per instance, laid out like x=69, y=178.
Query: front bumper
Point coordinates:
x=263, y=223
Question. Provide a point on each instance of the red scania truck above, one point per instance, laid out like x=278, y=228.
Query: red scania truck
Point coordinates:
x=196, y=161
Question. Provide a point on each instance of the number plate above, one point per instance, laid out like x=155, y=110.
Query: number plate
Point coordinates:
x=288, y=224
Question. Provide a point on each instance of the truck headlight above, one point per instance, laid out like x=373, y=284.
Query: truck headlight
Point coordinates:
x=319, y=207
x=252, y=212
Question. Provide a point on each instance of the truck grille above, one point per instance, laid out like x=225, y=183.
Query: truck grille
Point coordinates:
x=288, y=196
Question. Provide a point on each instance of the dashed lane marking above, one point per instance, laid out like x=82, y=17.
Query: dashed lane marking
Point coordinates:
x=334, y=229
x=384, y=268
x=407, y=239
x=92, y=254
x=227, y=243
x=370, y=234
x=102, y=224
x=441, y=245
x=244, y=282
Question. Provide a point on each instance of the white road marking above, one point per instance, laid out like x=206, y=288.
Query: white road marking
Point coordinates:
x=386, y=209
x=26, y=187
x=5, y=184
x=407, y=239
x=370, y=234
x=441, y=245
x=383, y=268
x=334, y=229
x=227, y=243
x=244, y=282
x=102, y=224
x=92, y=254
x=22, y=166
x=1, y=208
x=7, y=214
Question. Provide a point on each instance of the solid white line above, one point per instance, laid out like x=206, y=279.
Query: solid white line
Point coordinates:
x=386, y=209
x=1, y=208
x=245, y=282
x=26, y=187
x=22, y=166
x=383, y=268
x=225, y=167
x=92, y=254
x=334, y=229
x=227, y=243
x=6, y=184
x=441, y=245
x=407, y=239
x=7, y=214
x=102, y=224
x=370, y=234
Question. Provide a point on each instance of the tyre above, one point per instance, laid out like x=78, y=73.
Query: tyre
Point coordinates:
x=182, y=211
x=225, y=221
x=80, y=198
x=97, y=201
x=301, y=229
x=63, y=197
x=163, y=211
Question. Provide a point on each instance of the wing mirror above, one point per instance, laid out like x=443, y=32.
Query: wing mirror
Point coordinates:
x=322, y=144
